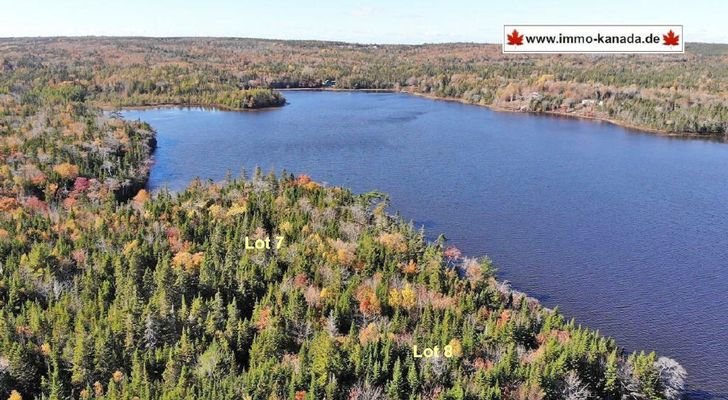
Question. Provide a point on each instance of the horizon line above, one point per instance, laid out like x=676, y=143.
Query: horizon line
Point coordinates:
x=271, y=39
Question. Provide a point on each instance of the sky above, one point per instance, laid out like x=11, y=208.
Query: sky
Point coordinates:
x=406, y=21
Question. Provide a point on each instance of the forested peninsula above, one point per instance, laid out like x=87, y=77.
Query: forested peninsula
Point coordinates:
x=110, y=292
x=683, y=95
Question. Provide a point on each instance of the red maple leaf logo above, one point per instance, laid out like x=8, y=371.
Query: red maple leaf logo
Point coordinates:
x=514, y=38
x=671, y=39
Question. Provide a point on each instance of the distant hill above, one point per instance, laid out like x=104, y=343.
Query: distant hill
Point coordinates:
x=674, y=94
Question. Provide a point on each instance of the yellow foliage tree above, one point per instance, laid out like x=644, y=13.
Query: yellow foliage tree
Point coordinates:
x=66, y=170
x=456, y=347
x=409, y=268
x=311, y=186
x=142, y=197
x=238, y=209
x=369, y=334
x=216, y=211
x=344, y=252
x=409, y=298
x=187, y=261
x=286, y=227
x=395, y=298
x=393, y=241
x=130, y=247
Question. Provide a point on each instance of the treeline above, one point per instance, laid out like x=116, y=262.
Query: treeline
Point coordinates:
x=158, y=298
x=134, y=85
x=182, y=85
x=680, y=94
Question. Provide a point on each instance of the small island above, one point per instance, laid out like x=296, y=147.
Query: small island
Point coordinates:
x=249, y=99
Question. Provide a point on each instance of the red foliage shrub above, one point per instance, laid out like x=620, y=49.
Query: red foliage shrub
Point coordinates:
x=36, y=204
x=301, y=280
x=81, y=184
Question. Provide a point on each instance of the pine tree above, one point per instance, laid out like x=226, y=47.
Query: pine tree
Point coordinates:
x=611, y=375
x=324, y=358
x=413, y=379
x=55, y=386
x=396, y=389
x=456, y=392
x=215, y=315
x=331, y=388
x=313, y=392
x=81, y=357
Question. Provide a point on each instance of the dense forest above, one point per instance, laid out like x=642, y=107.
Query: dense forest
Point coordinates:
x=109, y=292
x=677, y=94
x=158, y=298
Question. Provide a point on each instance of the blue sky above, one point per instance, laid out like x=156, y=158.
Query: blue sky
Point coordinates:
x=406, y=21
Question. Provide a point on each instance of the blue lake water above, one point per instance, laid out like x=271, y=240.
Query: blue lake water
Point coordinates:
x=626, y=232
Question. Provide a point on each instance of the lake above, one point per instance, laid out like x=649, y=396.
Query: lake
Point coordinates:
x=626, y=232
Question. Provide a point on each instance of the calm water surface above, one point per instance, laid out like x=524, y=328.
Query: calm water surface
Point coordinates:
x=626, y=232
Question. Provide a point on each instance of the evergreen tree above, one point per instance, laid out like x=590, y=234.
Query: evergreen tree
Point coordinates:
x=396, y=389
x=413, y=379
x=611, y=383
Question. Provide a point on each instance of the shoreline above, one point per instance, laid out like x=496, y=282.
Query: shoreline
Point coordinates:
x=492, y=107
x=108, y=107
x=333, y=89
x=497, y=108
